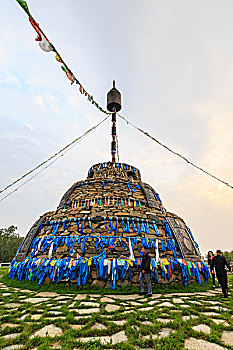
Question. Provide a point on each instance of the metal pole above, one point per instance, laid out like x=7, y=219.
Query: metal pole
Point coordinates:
x=113, y=148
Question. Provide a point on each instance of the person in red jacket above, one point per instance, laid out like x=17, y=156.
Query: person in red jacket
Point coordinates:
x=220, y=264
x=145, y=273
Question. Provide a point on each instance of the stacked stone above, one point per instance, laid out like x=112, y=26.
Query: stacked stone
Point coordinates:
x=111, y=190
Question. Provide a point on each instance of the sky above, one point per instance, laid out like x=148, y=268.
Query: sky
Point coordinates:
x=172, y=62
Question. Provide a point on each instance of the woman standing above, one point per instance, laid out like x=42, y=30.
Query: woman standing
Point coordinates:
x=210, y=257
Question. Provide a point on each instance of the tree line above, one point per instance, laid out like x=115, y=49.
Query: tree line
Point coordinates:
x=10, y=241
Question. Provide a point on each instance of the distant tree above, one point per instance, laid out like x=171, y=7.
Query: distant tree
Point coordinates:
x=9, y=243
x=228, y=256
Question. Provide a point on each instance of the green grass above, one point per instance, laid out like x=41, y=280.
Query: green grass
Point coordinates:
x=72, y=288
x=4, y=270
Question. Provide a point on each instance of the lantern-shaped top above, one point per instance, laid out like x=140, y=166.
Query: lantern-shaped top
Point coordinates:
x=114, y=99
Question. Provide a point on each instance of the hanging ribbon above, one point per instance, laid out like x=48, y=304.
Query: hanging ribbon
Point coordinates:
x=80, y=269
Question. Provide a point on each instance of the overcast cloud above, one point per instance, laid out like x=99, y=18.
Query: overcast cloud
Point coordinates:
x=173, y=63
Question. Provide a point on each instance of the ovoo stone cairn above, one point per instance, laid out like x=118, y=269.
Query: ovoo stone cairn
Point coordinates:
x=96, y=234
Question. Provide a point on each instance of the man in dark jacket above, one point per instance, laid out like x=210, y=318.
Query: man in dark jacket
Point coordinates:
x=145, y=273
x=219, y=263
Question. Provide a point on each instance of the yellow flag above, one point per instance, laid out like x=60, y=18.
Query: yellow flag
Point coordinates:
x=58, y=58
x=129, y=262
x=165, y=261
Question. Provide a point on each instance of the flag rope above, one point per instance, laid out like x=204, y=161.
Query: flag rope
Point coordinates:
x=176, y=153
x=61, y=153
x=47, y=46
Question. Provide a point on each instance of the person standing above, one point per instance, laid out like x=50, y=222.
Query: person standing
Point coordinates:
x=219, y=263
x=210, y=258
x=145, y=273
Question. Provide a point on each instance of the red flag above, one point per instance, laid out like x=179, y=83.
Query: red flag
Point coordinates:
x=37, y=29
x=71, y=77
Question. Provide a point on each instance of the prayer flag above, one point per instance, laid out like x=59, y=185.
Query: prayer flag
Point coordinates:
x=37, y=29
x=45, y=45
x=58, y=58
x=24, y=6
x=64, y=68
x=71, y=77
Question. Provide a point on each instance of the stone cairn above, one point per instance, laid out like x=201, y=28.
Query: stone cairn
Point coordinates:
x=96, y=234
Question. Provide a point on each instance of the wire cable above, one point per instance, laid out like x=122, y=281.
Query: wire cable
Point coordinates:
x=176, y=153
x=61, y=152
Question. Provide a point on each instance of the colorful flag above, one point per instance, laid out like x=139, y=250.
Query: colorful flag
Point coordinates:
x=64, y=68
x=45, y=45
x=37, y=29
x=71, y=77
x=24, y=5
x=58, y=58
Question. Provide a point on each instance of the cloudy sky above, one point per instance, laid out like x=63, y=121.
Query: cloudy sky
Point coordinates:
x=172, y=62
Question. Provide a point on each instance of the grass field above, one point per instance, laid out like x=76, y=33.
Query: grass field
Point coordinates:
x=4, y=270
x=142, y=320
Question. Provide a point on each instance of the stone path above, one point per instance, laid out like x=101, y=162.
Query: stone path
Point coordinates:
x=200, y=320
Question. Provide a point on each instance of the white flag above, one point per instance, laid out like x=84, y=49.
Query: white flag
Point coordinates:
x=45, y=45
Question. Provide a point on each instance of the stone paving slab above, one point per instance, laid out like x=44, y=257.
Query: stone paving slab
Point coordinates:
x=11, y=325
x=84, y=306
x=11, y=336
x=35, y=300
x=89, y=303
x=178, y=301
x=164, y=320
x=12, y=305
x=199, y=344
x=152, y=302
x=115, y=339
x=111, y=307
x=227, y=337
x=107, y=300
x=48, y=331
x=124, y=297
x=120, y=322
x=209, y=314
x=36, y=317
x=222, y=322
x=99, y=326
x=189, y=317
x=164, y=333
x=202, y=328
x=145, y=309
x=87, y=311
x=80, y=297
x=46, y=294
x=166, y=304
